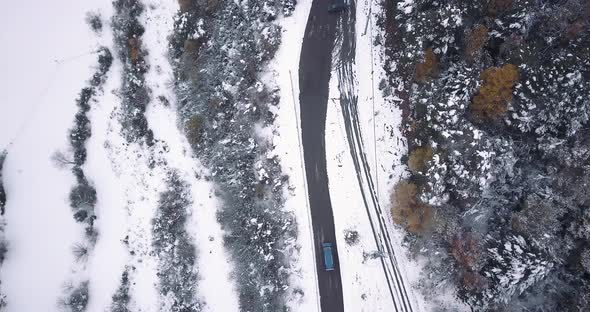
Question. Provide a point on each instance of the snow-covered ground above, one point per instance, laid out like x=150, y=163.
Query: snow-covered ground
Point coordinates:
x=40, y=96
x=364, y=284
x=37, y=105
x=41, y=230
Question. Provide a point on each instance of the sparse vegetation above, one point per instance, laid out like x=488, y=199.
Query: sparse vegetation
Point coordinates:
x=94, y=20
x=174, y=246
x=2, y=192
x=121, y=297
x=351, y=237
x=76, y=299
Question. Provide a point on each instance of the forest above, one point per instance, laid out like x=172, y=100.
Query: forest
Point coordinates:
x=495, y=98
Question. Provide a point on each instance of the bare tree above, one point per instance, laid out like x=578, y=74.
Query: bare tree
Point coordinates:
x=62, y=159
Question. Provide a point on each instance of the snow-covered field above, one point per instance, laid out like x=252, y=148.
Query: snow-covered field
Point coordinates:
x=49, y=62
x=37, y=108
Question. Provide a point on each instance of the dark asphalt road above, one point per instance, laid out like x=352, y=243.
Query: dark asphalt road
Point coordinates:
x=314, y=77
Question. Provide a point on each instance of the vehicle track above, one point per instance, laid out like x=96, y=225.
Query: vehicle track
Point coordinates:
x=349, y=105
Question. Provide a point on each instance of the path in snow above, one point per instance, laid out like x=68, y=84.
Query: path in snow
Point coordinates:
x=360, y=97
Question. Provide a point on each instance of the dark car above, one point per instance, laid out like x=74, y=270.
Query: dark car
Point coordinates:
x=337, y=7
x=328, y=256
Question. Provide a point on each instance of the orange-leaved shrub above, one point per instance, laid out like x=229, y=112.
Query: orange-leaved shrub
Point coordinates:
x=491, y=103
x=408, y=211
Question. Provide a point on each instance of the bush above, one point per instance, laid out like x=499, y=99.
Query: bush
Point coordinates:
x=407, y=211
x=82, y=195
x=121, y=297
x=3, y=249
x=135, y=53
x=77, y=300
x=427, y=68
x=94, y=21
x=495, y=93
x=496, y=7
x=194, y=129
x=476, y=40
x=185, y=5
x=80, y=252
x=351, y=237
x=419, y=158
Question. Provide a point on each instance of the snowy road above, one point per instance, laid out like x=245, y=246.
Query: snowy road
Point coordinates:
x=329, y=48
x=314, y=77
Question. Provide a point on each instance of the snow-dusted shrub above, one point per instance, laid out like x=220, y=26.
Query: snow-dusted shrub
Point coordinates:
x=80, y=251
x=351, y=237
x=177, y=254
x=94, y=20
x=217, y=79
x=2, y=192
x=135, y=97
x=77, y=298
x=121, y=297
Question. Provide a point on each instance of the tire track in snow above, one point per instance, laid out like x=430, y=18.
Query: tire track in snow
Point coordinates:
x=349, y=102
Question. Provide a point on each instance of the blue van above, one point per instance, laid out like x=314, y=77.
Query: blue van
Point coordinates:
x=328, y=256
